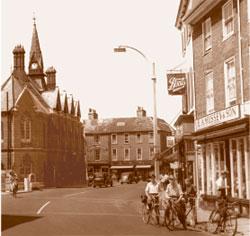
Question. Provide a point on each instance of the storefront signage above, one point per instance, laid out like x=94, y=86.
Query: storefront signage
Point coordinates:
x=217, y=118
x=176, y=83
x=174, y=165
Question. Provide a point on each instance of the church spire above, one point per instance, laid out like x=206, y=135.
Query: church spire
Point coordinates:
x=36, y=59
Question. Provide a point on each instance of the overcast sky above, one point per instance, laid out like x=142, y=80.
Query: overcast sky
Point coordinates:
x=77, y=37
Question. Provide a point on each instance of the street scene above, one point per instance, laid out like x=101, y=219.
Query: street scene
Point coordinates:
x=125, y=117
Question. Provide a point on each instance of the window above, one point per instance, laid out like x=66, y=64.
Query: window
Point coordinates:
x=230, y=82
x=209, y=93
x=207, y=34
x=25, y=130
x=97, y=155
x=126, y=138
x=151, y=152
x=114, y=139
x=114, y=154
x=150, y=137
x=227, y=19
x=126, y=154
x=139, y=154
x=2, y=131
x=138, y=138
x=96, y=138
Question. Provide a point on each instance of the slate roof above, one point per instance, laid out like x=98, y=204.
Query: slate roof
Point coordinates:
x=130, y=124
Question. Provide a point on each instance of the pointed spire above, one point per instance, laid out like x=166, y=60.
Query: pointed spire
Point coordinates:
x=35, y=51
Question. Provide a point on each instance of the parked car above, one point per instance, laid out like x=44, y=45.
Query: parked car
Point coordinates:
x=102, y=180
x=129, y=178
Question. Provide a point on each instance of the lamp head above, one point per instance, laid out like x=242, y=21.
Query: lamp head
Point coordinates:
x=120, y=49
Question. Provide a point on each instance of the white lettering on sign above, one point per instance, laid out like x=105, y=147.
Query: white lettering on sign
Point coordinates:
x=217, y=118
x=176, y=84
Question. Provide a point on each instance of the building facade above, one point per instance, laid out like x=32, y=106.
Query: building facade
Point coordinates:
x=118, y=145
x=41, y=131
x=220, y=38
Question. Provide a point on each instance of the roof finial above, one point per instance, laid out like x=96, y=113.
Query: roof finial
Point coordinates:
x=34, y=18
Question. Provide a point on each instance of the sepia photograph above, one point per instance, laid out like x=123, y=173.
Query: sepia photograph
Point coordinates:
x=125, y=117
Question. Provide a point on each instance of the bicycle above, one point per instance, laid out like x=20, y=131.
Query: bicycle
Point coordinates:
x=190, y=205
x=175, y=214
x=223, y=219
x=151, y=212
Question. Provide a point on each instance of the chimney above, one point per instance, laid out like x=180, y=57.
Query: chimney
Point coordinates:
x=19, y=58
x=51, y=78
x=92, y=114
x=141, y=112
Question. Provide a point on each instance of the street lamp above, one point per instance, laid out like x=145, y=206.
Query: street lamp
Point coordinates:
x=122, y=48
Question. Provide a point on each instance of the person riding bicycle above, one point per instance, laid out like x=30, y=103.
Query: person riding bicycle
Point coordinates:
x=174, y=191
x=152, y=191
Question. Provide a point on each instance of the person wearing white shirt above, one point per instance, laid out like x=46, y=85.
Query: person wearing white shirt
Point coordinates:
x=221, y=184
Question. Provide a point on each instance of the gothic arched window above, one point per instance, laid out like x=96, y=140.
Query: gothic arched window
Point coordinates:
x=25, y=129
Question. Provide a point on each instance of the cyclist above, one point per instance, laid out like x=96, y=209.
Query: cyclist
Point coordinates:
x=174, y=190
x=152, y=191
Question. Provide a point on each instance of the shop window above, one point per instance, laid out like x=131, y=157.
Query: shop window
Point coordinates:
x=209, y=169
x=235, y=181
x=230, y=81
x=242, y=166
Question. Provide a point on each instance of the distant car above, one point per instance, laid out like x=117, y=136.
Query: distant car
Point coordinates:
x=102, y=180
x=129, y=178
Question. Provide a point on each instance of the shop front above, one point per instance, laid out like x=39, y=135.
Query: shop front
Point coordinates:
x=224, y=147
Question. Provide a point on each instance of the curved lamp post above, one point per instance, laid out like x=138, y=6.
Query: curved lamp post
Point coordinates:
x=123, y=48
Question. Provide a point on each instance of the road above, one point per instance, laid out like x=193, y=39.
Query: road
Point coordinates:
x=79, y=211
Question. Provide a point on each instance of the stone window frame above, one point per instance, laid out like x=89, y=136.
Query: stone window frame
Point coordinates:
x=137, y=154
x=26, y=127
x=128, y=156
x=114, y=159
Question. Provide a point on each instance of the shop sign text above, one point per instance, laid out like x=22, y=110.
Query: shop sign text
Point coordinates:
x=217, y=118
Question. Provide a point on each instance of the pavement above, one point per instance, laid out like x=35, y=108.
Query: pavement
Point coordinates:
x=243, y=227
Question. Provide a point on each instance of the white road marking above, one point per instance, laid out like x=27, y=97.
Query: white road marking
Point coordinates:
x=40, y=210
x=73, y=194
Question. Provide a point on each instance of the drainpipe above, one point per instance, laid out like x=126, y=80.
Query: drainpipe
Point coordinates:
x=240, y=51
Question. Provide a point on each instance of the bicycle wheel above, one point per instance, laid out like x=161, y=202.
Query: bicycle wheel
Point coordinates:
x=213, y=221
x=155, y=215
x=145, y=214
x=230, y=225
x=171, y=219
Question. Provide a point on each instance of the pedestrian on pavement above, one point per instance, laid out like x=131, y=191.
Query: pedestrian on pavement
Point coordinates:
x=221, y=184
x=13, y=183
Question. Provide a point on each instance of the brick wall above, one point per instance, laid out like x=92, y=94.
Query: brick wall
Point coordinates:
x=214, y=59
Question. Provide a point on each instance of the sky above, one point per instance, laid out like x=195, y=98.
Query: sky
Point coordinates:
x=77, y=37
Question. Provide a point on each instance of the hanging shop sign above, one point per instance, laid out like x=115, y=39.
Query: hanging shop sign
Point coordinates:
x=218, y=117
x=176, y=83
x=174, y=165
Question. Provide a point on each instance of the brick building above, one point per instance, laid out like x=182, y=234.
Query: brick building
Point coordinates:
x=220, y=41
x=123, y=144
x=41, y=131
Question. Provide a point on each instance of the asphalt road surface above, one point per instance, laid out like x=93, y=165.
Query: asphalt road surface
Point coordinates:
x=80, y=211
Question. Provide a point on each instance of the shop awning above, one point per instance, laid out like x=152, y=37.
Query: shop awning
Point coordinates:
x=143, y=167
x=121, y=167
